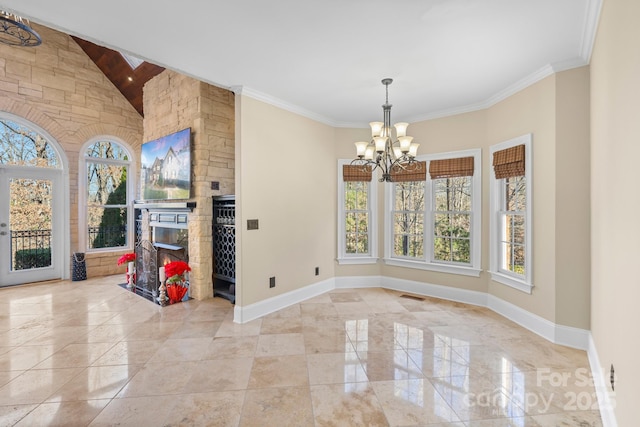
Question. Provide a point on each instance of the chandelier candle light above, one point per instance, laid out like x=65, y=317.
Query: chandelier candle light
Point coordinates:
x=386, y=152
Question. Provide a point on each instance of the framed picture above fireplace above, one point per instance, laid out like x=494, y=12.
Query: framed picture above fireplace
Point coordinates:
x=166, y=167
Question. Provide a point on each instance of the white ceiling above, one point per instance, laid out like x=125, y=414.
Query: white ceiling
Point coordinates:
x=325, y=58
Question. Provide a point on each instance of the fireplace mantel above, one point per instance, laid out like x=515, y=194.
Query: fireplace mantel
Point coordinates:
x=169, y=206
x=168, y=246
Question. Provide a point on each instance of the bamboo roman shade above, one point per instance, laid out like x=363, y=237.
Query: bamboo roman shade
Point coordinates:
x=451, y=168
x=509, y=162
x=417, y=171
x=351, y=173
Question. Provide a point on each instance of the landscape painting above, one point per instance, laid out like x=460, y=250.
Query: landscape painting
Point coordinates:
x=166, y=167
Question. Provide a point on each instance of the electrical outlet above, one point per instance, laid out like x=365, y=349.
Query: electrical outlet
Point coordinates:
x=317, y=271
x=272, y=282
x=612, y=378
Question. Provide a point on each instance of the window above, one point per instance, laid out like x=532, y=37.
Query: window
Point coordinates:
x=356, y=208
x=408, y=219
x=356, y=217
x=452, y=219
x=107, y=194
x=22, y=146
x=511, y=237
x=512, y=220
x=435, y=224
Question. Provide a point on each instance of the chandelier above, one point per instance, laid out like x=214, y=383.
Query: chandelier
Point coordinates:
x=15, y=31
x=392, y=154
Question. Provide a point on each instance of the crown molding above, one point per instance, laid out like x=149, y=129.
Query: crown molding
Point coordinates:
x=510, y=90
x=237, y=90
x=568, y=64
x=277, y=102
x=507, y=92
x=590, y=29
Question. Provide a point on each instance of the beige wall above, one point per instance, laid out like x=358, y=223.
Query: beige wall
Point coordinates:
x=573, y=240
x=555, y=111
x=287, y=180
x=615, y=200
x=57, y=87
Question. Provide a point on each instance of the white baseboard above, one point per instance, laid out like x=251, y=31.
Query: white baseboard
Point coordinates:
x=558, y=334
x=602, y=391
x=254, y=311
x=437, y=291
x=524, y=318
x=348, y=282
x=572, y=337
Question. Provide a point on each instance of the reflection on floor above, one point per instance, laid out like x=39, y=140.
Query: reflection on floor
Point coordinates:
x=91, y=353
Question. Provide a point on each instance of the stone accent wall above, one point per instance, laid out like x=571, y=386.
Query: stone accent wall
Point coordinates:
x=57, y=87
x=173, y=102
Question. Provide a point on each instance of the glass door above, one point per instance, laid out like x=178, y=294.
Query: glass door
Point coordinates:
x=29, y=231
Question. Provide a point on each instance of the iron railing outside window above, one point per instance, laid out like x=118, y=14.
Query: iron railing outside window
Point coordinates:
x=30, y=249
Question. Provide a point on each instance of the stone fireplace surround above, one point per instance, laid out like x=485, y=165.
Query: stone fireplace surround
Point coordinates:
x=172, y=102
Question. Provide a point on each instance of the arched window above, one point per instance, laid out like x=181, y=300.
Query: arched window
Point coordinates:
x=107, y=195
x=22, y=146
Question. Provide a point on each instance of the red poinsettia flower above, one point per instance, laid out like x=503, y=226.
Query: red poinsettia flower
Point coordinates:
x=126, y=258
x=176, y=268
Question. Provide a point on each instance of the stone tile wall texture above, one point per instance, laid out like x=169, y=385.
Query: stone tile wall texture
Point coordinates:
x=173, y=102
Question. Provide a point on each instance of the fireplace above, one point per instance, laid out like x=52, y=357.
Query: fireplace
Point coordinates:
x=169, y=227
x=162, y=236
x=170, y=236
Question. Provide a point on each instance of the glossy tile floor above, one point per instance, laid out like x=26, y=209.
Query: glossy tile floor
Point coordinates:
x=91, y=353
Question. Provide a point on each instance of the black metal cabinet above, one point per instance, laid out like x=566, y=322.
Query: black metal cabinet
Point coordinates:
x=224, y=247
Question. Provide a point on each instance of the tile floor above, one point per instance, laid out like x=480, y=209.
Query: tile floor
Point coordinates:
x=91, y=353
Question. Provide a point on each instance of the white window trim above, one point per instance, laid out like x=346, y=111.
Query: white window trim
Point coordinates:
x=526, y=284
x=82, y=194
x=343, y=257
x=476, y=226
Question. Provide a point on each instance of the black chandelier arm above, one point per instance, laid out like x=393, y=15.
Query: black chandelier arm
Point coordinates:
x=364, y=163
x=16, y=33
x=406, y=163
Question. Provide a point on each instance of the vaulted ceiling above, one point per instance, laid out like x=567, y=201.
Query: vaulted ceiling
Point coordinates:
x=124, y=76
x=325, y=58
